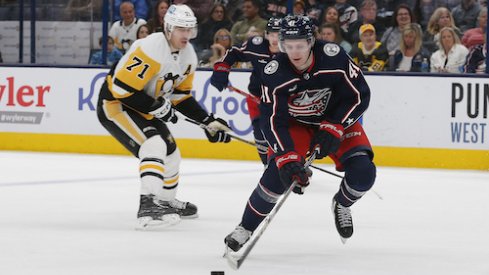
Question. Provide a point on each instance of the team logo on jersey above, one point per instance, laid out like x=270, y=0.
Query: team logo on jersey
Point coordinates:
x=271, y=67
x=331, y=49
x=309, y=103
x=257, y=40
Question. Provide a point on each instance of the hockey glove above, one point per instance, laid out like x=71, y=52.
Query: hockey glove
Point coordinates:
x=328, y=138
x=216, y=129
x=219, y=78
x=291, y=168
x=163, y=110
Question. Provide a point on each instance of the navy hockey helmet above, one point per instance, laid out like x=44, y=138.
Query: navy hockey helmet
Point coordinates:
x=296, y=27
x=273, y=24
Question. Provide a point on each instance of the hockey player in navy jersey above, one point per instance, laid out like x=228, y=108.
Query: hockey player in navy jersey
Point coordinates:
x=259, y=52
x=313, y=96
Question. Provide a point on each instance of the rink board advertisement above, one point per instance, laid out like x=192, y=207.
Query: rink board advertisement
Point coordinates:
x=425, y=116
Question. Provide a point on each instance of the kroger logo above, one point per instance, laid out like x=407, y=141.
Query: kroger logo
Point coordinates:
x=214, y=102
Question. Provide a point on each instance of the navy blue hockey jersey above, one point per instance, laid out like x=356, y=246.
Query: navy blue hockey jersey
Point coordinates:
x=255, y=50
x=333, y=88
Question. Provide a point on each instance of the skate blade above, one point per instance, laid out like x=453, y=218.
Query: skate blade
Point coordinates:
x=232, y=258
x=145, y=223
x=190, y=217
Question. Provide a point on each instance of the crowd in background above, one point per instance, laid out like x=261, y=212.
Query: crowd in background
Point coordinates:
x=380, y=35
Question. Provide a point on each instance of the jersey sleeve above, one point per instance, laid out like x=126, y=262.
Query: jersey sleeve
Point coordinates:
x=239, y=53
x=353, y=92
x=274, y=121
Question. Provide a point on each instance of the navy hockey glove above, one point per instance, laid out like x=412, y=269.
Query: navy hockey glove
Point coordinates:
x=216, y=129
x=291, y=168
x=219, y=78
x=328, y=138
x=163, y=110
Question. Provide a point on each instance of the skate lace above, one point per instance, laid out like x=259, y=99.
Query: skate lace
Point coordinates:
x=344, y=216
x=178, y=204
x=240, y=234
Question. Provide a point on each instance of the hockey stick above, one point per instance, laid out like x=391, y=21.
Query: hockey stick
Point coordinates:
x=236, y=262
x=203, y=126
x=326, y=171
x=339, y=176
x=252, y=97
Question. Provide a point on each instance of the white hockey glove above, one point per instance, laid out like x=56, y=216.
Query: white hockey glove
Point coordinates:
x=164, y=111
x=216, y=129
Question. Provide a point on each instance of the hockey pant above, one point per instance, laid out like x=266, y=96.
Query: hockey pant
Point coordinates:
x=354, y=158
x=148, y=140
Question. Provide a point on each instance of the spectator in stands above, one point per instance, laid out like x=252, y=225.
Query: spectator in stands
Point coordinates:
x=222, y=43
x=452, y=54
x=369, y=54
x=124, y=31
x=331, y=15
x=476, y=36
x=465, y=14
x=403, y=16
x=155, y=24
x=140, y=8
x=476, y=60
x=440, y=19
x=299, y=8
x=347, y=14
x=331, y=32
x=368, y=15
x=217, y=20
x=143, y=31
x=314, y=9
x=411, y=52
x=251, y=12
x=113, y=54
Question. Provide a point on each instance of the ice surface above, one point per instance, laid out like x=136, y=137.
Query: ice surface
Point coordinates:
x=75, y=214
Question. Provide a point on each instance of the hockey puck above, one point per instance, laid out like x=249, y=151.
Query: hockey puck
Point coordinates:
x=217, y=272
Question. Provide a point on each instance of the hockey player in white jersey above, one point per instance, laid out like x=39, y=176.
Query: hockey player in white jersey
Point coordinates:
x=139, y=98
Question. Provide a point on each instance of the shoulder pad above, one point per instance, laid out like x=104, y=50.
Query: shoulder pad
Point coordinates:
x=331, y=49
x=271, y=67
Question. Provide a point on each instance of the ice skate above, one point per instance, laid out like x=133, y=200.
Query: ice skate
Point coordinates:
x=343, y=220
x=152, y=213
x=186, y=210
x=236, y=239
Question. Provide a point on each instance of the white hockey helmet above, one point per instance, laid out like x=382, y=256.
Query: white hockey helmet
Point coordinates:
x=180, y=16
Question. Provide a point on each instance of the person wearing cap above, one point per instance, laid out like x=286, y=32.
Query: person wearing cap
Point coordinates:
x=369, y=54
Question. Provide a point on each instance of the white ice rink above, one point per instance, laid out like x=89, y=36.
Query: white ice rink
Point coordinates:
x=75, y=214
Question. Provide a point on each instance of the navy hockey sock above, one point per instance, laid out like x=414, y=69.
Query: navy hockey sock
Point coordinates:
x=360, y=175
x=260, y=203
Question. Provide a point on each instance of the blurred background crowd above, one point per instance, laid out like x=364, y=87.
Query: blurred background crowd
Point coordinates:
x=443, y=36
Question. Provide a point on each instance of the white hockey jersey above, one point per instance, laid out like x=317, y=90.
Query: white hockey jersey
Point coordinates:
x=151, y=67
x=124, y=36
